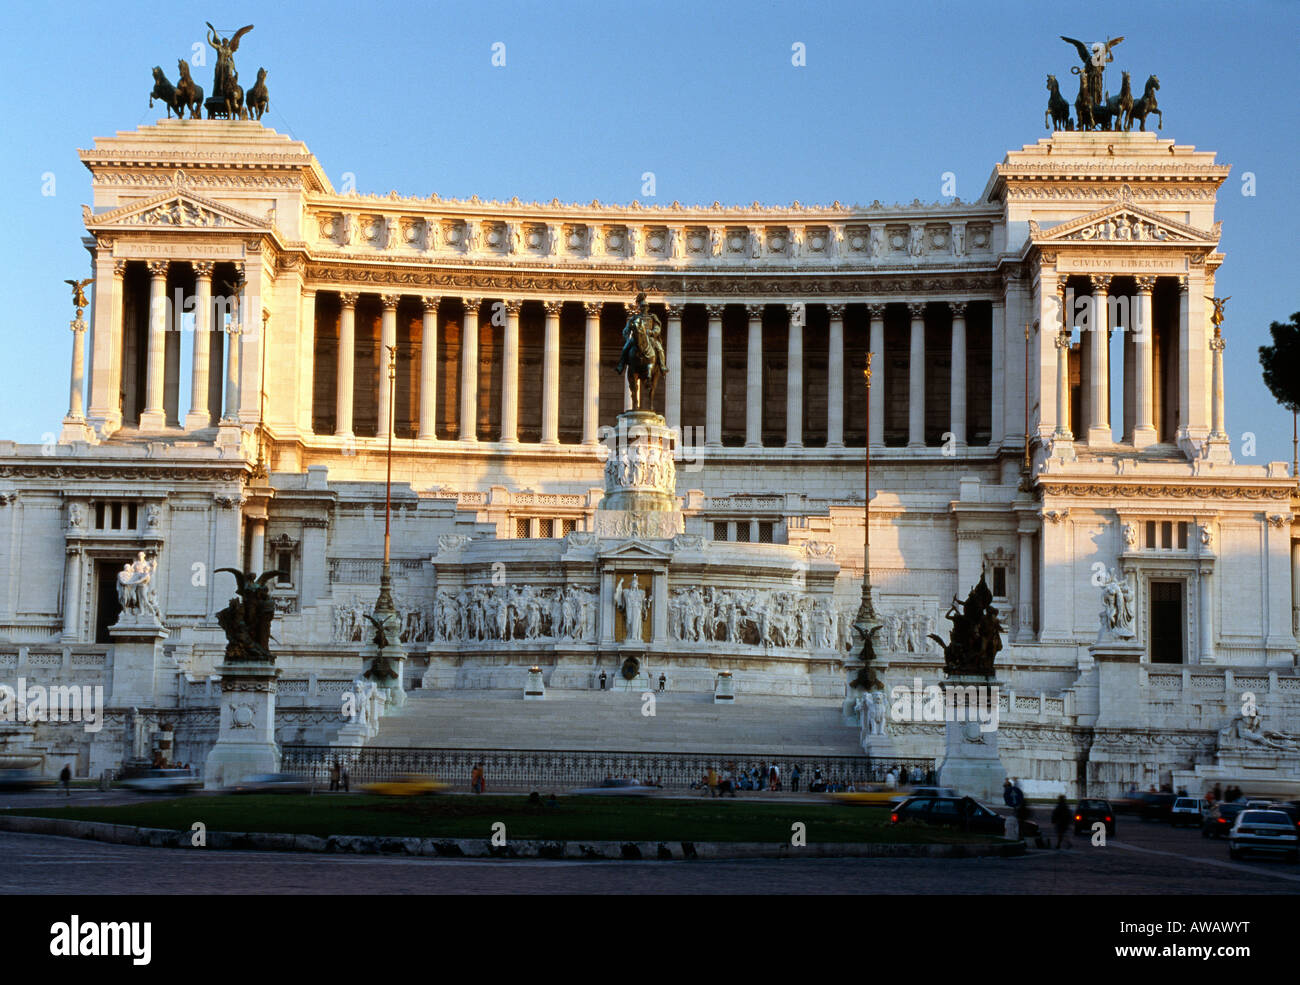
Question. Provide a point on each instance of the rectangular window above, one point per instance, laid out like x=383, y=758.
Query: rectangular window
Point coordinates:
x=999, y=581
x=567, y=526
x=99, y=516
x=1182, y=536
x=719, y=530
x=545, y=527
x=132, y=515
x=284, y=563
x=1167, y=535
x=765, y=532
x=521, y=527
x=742, y=531
x=1151, y=535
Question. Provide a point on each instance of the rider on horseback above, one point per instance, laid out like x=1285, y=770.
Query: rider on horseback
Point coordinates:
x=643, y=350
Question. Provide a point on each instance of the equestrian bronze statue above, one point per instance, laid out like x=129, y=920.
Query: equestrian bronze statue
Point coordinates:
x=642, y=358
x=246, y=621
x=976, y=634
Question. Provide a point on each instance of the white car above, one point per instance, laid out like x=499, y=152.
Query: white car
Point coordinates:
x=1187, y=810
x=163, y=781
x=1264, y=831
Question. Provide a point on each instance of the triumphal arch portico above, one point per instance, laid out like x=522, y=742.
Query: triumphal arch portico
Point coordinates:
x=1047, y=401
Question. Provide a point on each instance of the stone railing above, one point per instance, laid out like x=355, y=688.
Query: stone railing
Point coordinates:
x=555, y=771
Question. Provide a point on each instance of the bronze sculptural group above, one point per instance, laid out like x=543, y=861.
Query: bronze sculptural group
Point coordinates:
x=642, y=358
x=976, y=635
x=1094, y=107
x=227, y=100
x=247, y=619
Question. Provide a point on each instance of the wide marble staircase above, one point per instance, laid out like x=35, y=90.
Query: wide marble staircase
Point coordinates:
x=611, y=721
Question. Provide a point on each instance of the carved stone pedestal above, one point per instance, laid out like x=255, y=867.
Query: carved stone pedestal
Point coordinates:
x=724, y=692
x=137, y=660
x=971, y=764
x=640, y=476
x=246, y=738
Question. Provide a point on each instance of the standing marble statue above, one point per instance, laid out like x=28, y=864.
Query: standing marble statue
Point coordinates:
x=632, y=601
x=1117, y=607
x=135, y=587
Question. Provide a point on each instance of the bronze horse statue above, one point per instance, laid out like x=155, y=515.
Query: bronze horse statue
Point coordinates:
x=1057, y=116
x=642, y=357
x=166, y=93
x=1121, y=106
x=1083, y=104
x=188, y=92
x=1146, y=106
x=258, y=99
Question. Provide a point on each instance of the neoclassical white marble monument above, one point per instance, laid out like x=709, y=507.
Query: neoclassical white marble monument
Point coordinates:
x=228, y=406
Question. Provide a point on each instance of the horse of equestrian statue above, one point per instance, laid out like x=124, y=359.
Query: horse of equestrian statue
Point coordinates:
x=1147, y=105
x=642, y=357
x=1057, y=116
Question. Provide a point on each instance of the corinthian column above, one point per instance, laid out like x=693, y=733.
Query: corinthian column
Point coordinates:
x=1144, y=429
x=835, y=378
x=429, y=369
x=878, y=371
x=916, y=379
x=346, y=358
x=1062, y=432
x=198, y=416
x=754, y=378
x=510, y=374
x=1099, y=368
x=673, y=384
x=387, y=341
x=551, y=375
x=713, y=395
x=957, y=380
x=77, y=378
x=469, y=371
x=794, y=377
x=154, y=417
x=591, y=373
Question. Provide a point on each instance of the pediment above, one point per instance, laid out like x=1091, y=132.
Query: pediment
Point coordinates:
x=176, y=208
x=635, y=550
x=1125, y=223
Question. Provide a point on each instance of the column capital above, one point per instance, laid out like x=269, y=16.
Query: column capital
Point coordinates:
x=1145, y=284
x=594, y=308
x=1217, y=343
x=676, y=309
x=876, y=311
x=158, y=268
x=958, y=308
x=1063, y=339
x=472, y=304
x=916, y=309
x=76, y=326
x=391, y=301
x=553, y=307
x=836, y=310
x=715, y=310
x=119, y=269
x=202, y=268
x=753, y=311
x=1100, y=282
x=1182, y=283
x=513, y=305
x=430, y=303
x=349, y=298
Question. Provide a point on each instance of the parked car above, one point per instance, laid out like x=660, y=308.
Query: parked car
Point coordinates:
x=1217, y=821
x=272, y=783
x=957, y=812
x=22, y=779
x=162, y=781
x=1156, y=806
x=1089, y=812
x=1187, y=810
x=1264, y=831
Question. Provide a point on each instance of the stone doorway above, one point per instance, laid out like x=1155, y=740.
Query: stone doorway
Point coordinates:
x=1166, y=644
x=107, y=607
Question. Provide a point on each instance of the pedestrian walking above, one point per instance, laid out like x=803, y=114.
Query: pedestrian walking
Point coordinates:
x=335, y=774
x=794, y=779
x=1008, y=797
x=1061, y=817
x=345, y=780
x=65, y=777
x=477, y=779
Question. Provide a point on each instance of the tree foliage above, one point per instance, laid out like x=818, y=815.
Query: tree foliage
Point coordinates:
x=1281, y=362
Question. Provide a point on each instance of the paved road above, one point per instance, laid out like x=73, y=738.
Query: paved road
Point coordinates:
x=1145, y=859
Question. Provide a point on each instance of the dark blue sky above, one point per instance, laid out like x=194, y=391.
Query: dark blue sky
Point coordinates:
x=405, y=96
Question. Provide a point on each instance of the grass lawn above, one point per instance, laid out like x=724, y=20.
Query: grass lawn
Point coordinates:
x=573, y=819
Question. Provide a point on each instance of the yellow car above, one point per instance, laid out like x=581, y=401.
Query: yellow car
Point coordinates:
x=410, y=785
x=876, y=795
